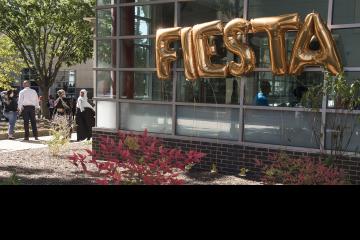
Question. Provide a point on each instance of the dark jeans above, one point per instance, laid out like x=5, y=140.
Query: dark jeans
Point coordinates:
x=29, y=115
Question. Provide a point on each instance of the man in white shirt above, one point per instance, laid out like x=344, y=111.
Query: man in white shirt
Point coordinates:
x=27, y=104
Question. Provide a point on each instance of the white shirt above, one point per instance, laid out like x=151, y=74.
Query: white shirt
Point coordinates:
x=28, y=97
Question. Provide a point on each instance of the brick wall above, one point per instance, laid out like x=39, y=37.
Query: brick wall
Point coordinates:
x=230, y=158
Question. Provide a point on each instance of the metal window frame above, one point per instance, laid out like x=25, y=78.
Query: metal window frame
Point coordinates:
x=324, y=111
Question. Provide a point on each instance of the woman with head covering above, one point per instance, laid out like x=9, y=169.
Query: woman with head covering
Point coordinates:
x=62, y=108
x=85, y=117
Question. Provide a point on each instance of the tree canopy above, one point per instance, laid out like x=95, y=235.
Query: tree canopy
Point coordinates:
x=11, y=63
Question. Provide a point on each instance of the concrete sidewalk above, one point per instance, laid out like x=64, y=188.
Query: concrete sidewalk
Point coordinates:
x=19, y=144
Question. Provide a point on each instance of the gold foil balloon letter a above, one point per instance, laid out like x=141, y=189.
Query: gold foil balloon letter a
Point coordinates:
x=187, y=43
x=164, y=54
x=303, y=56
x=276, y=27
x=202, y=33
x=234, y=33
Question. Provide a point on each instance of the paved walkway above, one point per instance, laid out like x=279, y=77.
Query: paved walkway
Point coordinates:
x=19, y=144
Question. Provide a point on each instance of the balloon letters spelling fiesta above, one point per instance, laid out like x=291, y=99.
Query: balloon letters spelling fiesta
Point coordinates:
x=198, y=47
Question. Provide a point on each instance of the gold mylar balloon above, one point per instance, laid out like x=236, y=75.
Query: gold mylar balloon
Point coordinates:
x=327, y=54
x=276, y=27
x=190, y=65
x=204, y=50
x=164, y=54
x=234, y=32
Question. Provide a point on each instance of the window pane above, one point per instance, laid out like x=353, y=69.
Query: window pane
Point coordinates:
x=299, y=129
x=154, y=118
x=106, y=22
x=105, y=114
x=221, y=123
x=343, y=132
x=137, y=53
x=105, y=54
x=347, y=42
x=146, y=19
x=346, y=13
x=202, y=11
x=267, y=8
x=145, y=86
x=105, y=2
x=350, y=78
x=209, y=90
x=106, y=84
x=259, y=42
x=265, y=89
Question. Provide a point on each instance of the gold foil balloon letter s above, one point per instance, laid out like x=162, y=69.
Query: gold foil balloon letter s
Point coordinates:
x=164, y=54
x=303, y=56
x=276, y=27
x=234, y=33
x=189, y=54
x=202, y=33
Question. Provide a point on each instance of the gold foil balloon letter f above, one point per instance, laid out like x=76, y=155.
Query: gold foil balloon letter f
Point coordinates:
x=164, y=54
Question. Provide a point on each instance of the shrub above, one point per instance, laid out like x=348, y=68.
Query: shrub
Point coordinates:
x=136, y=159
x=300, y=171
x=60, y=135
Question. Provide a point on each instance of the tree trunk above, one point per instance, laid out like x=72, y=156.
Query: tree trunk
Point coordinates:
x=45, y=100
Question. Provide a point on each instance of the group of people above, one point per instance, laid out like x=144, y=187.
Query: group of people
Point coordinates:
x=27, y=103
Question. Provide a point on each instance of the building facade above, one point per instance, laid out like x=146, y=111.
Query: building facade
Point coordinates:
x=220, y=116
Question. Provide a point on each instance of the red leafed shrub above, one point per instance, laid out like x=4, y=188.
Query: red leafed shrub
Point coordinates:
x=300, y=171
x=135, y=159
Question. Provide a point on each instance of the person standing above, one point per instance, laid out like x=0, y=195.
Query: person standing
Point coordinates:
x=62, y=107
x=27, y=104
x=85, y=117
x=51, y=105
x=10, y=112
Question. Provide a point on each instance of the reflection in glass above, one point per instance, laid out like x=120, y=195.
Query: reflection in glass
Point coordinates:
x=105, y=2
x=285, y=91
x=106, y=22
x=106, y=84
x=146, y=19
x=346, y=13
x=145, y=86
x=298, y=129
x=342, y=132
x=137, y=53
x=210, y=90
x=154, y=118
x=347, y=42
x=220, y=123
x=105, y=114
x=105, y=55
x=268, y=8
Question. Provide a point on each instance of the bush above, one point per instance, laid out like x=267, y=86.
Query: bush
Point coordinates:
x=136, y=159
x=300, y=171
x=60, y=135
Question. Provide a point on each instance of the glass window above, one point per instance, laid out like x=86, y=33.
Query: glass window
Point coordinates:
x=347, y=42
x=106, y=58
x=137, y=53
x=201, y=11
x=106, y=22
x=268, y=8
x=105, y=2
x=346, y=13
x=105, y=114
x=209, y=90
x=106, y=84
x=298, y=129
x=209, y=122
x=343, y=132
x=145, y=86
x=265, y=89
x=145, y=19
x=259, y=42
x=154, y=118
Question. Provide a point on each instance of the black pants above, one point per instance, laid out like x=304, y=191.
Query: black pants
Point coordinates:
x=29, y=115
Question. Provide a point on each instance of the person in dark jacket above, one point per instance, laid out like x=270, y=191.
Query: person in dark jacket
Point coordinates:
x=62, y=108
x=11, y=111
x=85, y=117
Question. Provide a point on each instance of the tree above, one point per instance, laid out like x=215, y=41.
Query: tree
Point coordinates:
x=11, y=63
x=48, y=34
